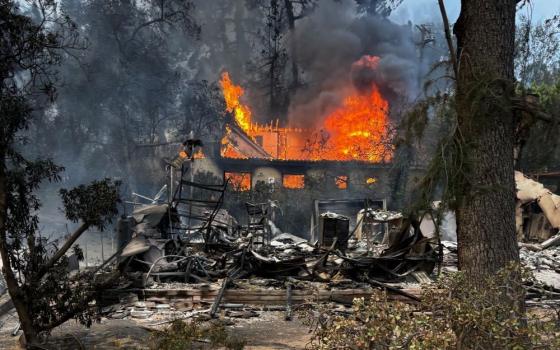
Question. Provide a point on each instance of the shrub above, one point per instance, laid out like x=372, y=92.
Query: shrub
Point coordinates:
x=182, y=335
x=452, y=311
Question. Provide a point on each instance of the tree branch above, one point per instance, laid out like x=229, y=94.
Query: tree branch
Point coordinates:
x=49, y=264
x=452, y=52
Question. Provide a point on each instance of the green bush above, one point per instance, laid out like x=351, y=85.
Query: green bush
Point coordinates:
x=452, y=311
x=182, y=335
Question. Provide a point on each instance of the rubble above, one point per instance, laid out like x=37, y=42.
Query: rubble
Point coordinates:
x=543, y=260
x=543, y=263
x=227, y=279
x=216, y=264
x=191, y=258
x=537, y=210
x=194, y=240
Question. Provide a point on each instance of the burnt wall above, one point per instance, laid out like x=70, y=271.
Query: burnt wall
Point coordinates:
x=363, y=180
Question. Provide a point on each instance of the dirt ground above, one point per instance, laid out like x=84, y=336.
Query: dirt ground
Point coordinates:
x=269, y=331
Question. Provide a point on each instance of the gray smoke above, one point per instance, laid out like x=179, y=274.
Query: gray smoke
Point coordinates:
x=331, y=40
x=138, y=89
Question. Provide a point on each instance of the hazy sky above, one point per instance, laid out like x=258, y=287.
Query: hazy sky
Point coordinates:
x=423, y=11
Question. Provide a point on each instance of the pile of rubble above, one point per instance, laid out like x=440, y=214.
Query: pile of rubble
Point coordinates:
x=542, y=259
x=191, y=254
x=383, y=246
x=544, y=264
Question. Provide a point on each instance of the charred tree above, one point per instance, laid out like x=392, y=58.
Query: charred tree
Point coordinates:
x=378, y=7
x=274, y=57
x=296, y=10
x=107, y=113
x=293, y=48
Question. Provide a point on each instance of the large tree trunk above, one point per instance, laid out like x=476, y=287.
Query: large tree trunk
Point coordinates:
x=485, y=210
x=14, y=289
x=485, y=216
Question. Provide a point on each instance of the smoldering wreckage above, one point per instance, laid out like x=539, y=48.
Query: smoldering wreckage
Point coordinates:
x=191, y=251
x=187, y=257
x=193, y=247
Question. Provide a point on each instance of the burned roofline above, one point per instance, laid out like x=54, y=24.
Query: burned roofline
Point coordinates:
x=297, y=165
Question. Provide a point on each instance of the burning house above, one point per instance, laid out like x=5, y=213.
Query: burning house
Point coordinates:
x=347, y=153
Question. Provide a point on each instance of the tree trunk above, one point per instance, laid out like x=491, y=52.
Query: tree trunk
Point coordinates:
x=241, y=44
x=14, y=289
x=485, y=34
x=485, y=210
x=273, y=55
x=293, y=48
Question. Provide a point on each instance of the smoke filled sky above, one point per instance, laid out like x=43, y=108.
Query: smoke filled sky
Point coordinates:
x=422, y=11
x=331, y=40
x=161, y=83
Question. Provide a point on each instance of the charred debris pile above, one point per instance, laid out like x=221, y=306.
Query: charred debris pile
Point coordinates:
x=388, y=248
x=190, y=248
x=191, y=239
x=196, y=241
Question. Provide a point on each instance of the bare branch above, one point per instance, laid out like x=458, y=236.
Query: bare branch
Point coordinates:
x=452, y=51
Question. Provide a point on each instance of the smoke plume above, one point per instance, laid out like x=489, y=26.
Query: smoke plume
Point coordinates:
x=331, y=42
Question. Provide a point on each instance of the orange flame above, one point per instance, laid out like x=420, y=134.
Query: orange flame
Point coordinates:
x=232, y=94
x=341, y=182
x=239, y=181
x=199, y=154
x=293, y=181
x=228, y=150
x=358, y=129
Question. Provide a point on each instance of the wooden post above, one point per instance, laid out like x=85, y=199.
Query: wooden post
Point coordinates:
x=288, y=316
x=219, y=297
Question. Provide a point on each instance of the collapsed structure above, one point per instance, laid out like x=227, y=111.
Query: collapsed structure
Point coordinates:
x=192, y=239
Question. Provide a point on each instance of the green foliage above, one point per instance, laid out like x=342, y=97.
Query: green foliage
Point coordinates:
x=379, y=324
x=183, y=335
x=537, y=65
x=21, y=184
x=14, y=118
x=94, y=204
x=32, y=44
x=444, y=176
x=60, y=295
x=549, y=94
x=451, y=310
x=542, y=132
x=54, y=298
